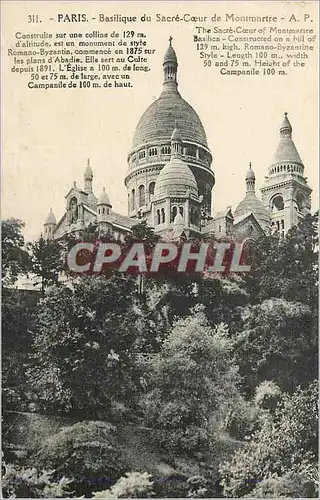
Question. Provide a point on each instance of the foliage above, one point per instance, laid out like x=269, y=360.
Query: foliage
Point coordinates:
x=276, y=340
x=290, y=485
x=86, y=452
x=133, y=485
x=142, y=232
x=83, y=356
x=18, y=308
x=285, y=442
x=30, y=483
x=267, y=395
x=289, y=268
x=14, y=258
x=189, y=380
x=46, y=260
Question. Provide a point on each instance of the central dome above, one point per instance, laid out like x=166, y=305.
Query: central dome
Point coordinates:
x=158, y=121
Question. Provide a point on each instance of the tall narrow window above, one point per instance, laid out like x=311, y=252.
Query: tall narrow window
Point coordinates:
x=142, y=196
x=158, y=216
x=181, y=211
x=173, y=213
x=133, y=199
x=163, y=217
x=151, y=188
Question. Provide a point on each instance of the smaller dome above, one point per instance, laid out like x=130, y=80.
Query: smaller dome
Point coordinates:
x=50, y=219
x=104, y=198
x=251, y=203
x=170, y=55
x=175, y=179
x=250, y=174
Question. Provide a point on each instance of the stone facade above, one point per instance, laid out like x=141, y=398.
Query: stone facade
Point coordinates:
x=170, y=180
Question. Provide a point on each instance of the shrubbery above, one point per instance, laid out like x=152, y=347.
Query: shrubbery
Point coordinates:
x=32, y=483
x=86, y=452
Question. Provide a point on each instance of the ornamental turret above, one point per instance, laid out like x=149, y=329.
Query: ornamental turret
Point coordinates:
x=104, y=206
x=49, y=226
x=88, y=178
x=286, y=194
x=88, y=188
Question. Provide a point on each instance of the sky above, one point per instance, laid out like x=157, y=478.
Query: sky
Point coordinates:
x=47, y=136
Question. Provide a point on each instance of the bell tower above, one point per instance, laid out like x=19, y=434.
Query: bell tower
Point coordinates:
x=285, y=193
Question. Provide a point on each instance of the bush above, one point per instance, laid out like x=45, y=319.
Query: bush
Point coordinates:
x=267, y=395
x=30, y=483
x=87, y=452
x=285, y=442
x=134, y=485
x=291, y=485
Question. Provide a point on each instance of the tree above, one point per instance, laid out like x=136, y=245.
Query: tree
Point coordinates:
x=288, y=268
x=83, y=346
x=192, y=383
x=46, y=260
x=18, y=309
x=15, y=259
x=276, y=340
x=285, y=442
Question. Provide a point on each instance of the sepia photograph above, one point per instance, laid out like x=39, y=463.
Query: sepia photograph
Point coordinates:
x=159, y=249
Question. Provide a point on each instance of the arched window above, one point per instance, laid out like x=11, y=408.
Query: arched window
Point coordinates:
x=73, y=209
x=153, y=152
x=191, y=215
x=158, y=216
x=142, y=196
x=103, y=210
x=163, y=217
x=181, y=211
x=133, y=199
x=151, y=188
x=300, y=202
x=277, y=203
x=166, y=150
x=174, y=211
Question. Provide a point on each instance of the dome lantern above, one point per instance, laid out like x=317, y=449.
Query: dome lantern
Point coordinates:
x=170, y=67
x=176, y=142
x=250, y=179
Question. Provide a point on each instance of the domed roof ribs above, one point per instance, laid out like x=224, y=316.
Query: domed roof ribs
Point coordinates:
x=170, y=69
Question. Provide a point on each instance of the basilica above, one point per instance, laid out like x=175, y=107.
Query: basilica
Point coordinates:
x=170, y=181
